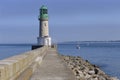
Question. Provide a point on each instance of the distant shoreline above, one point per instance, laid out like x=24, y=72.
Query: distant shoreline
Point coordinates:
x=72, y=42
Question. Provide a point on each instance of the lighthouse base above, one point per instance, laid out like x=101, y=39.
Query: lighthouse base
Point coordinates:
x=45, y=41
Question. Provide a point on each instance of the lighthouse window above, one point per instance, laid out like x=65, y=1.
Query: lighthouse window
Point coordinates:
x=41, y=13
x=44, y=11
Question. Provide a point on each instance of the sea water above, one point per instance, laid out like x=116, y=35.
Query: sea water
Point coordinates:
x=104, y=55
x=8, y=50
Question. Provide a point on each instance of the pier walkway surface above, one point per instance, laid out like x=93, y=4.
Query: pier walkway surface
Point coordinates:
x=53, y=68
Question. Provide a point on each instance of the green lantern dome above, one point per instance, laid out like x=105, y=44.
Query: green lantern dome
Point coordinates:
x=43, y=7
x=43, y=13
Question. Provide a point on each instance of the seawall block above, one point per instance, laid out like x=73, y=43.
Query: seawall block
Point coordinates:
x=13, y=67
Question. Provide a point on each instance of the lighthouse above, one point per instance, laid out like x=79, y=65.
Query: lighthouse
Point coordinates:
x=43, y=39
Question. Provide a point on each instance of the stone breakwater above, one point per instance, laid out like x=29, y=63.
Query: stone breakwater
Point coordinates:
x=84, y=70
x=22, y=66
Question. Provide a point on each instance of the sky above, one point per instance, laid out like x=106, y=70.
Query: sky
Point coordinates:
x=69, y=20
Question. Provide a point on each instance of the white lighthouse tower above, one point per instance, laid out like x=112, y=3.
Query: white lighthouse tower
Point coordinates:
x=44, y=39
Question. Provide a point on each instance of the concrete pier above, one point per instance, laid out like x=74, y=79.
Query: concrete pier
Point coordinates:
x=53, y=68
x=40, y=64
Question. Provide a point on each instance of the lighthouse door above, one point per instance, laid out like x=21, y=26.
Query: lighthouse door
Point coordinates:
x=46, y=41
